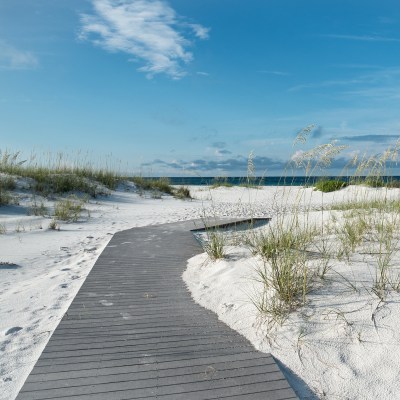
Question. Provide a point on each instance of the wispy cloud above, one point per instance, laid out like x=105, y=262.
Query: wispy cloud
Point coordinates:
x=147, y=30
x=219, y=145
x=200, y=31
x=371, y=138
x=364, y=38
x=376, y=93
x=13, y=59
x=379, y=84
x=274, y=72
x=327, y=83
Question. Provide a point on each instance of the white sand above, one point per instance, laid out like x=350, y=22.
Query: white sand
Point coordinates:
x=48, y=267
x=344, y=344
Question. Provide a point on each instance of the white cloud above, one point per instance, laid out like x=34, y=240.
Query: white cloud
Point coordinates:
x=365, y=38
x=13, y=58
x=278, y=73
x=148, y=30
x=200, y=31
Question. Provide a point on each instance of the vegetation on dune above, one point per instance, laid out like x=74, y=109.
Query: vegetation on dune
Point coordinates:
x=7, y=183
x=69, y=209
x=182, y=193
x=160, y=186
x=60, y=175
x=220, y=181
x=299, y=256
x=330, y=185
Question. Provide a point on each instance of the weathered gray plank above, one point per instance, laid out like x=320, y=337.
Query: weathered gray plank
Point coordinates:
x=133, y=332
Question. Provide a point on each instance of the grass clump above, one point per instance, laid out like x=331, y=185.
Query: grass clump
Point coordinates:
x=59, y=175
x=286, y=282
x=285, y=275
x=54, y=225
x=5, y=197
x=330, y=185
x=6, y=184
x=182, y=193
x=220, y=181
x=37, y=209
x=279, y=239
x=68, y=209
x=214, y=246
x=64, y=183
x=162, y=185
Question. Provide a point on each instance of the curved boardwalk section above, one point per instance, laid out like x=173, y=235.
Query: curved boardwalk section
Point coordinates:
x=133, y=332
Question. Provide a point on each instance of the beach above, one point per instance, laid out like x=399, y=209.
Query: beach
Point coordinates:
x=342, y=343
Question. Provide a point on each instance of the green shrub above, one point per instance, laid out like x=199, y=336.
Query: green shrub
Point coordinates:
x=7, y=183
x=54, y=225
x=68, y=209
x=374, y=181
x=182, y=193
x=162, y=185
x=57, y=177
x=5, y=197
x=215, y=244
x=64, y=183
x=37, y=209
x=330, y=185
x=393, y=183
x=219, y=181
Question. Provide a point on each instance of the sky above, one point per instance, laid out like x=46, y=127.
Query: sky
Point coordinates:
x=192, y=87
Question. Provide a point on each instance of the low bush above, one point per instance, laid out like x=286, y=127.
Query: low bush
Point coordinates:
x=7, y=183
x=182, y=193
x=220, y=181
x=162, y=185
x=214, y=246
x=68, y=209
x=64, y=183
x=330, y=185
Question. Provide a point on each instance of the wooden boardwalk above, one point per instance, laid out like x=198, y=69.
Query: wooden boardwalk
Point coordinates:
x=133, y=332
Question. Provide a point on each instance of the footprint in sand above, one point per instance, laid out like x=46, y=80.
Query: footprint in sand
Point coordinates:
x=90, y=249
x=13, y=330
x=4, y=345
x=106, y=303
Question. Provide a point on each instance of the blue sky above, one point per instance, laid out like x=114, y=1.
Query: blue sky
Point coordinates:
x=193, y=86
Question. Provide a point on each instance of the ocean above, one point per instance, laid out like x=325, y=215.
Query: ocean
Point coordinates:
x=260, y=181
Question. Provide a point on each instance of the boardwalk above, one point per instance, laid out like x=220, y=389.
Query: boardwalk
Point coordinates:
x=133, y=332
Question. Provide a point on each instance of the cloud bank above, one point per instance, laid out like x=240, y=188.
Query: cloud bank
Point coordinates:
x=149, y=31
x=236, y=165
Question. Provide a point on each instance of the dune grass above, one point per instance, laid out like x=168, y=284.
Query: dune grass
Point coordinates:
x=162, y=185
x=159, y=186
x=220, y=181
x=7, y=184
x=297, y=256
x=330, y=185
x=59, y=175
x=68, y=209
